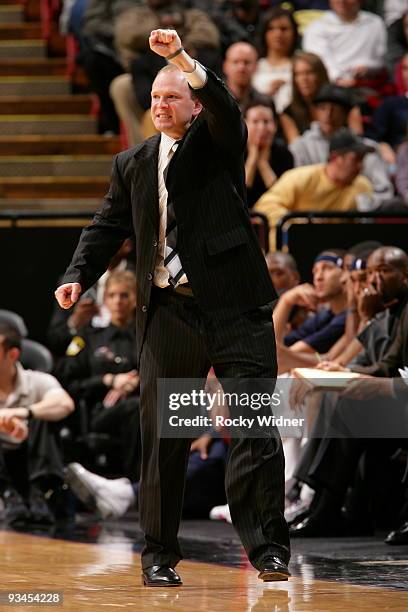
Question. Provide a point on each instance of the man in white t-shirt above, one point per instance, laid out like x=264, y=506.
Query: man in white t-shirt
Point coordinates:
x=30, y=458
x=351, y=42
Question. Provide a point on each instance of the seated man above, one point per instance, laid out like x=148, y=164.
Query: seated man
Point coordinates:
x=282, y=270
x=30, y=465
x=303, y=346
x=100, y=369
x=351, y=42
x=333, y=186
x=329, y=465
x=332, y=107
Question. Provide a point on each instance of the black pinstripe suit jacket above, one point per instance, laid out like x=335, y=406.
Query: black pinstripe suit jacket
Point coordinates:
x=206, y=182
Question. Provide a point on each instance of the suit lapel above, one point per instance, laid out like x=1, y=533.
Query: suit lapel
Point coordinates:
x=147, y=190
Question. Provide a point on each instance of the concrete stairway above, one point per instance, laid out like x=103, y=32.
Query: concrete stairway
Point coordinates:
x=51, y=157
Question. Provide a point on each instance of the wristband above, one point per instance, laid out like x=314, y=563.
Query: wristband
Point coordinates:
x=175, y=54
x=30, y=414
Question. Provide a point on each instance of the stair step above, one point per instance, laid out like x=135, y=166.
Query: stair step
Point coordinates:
x=51, y=204
x=33, y=67
x=22, y=48
x=11, y=14
x=59, y=145
x=45, y=187
x=34, y=86
x=47, y=124
x=20, y=31
x=57, y=166
x=45, y=104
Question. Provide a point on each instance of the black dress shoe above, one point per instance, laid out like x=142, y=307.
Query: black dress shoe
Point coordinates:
x=161, y=576
x=15, y=510
x=272, y=569
x=312, y=527
x=398, y=536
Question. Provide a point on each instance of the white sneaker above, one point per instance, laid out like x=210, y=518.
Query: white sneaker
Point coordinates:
x=110, y=498
x=221, y=513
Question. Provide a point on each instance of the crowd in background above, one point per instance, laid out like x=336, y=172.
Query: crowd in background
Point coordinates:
x=323, y=88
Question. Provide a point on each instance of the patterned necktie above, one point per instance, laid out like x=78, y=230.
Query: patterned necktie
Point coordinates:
x=171, y=259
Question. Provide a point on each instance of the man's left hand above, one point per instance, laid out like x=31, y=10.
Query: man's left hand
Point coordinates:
x=164, y=42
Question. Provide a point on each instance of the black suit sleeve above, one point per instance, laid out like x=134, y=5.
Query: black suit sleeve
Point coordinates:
x=100, y=240
x=223, y=115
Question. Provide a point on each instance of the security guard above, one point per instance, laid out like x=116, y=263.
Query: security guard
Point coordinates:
x=100, y=369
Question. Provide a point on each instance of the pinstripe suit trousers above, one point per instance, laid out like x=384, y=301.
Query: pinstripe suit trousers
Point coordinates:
x=181, y=342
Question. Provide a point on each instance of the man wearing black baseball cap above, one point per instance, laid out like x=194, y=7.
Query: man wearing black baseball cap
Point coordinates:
x=333, y=186
x=332, y=106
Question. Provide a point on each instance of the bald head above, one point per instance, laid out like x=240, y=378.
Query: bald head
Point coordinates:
x=389, y=255
x=240, y=64
x=387, y=269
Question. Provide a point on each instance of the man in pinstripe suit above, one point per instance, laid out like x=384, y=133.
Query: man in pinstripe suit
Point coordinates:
x=204, y=297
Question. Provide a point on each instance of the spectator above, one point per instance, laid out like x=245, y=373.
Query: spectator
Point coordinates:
x=333, y=186
x=332, y=468
x=238, y=22
x=278, y=40
x=389, y=124
x=266, y=159
x=352, y=42
x=397, y=43
x=100, y=369
x=239, y=67
x=319, y=332
x=29, y=465
x=309, y=74
x=332, y=108
x=283, y=271
x=65, y=324
x=99, y=57
x=401, y=178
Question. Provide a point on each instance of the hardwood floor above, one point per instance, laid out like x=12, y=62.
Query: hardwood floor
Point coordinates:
x=107, y=576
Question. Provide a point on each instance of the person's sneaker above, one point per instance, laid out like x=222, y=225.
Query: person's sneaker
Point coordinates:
x=221, y=513
x=40, y=514
x=15, y=511
x=109, y=498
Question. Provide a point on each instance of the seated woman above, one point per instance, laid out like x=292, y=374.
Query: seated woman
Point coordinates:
x=100, y=369
x=266, y=159
x=278, y=40
x=309, y=74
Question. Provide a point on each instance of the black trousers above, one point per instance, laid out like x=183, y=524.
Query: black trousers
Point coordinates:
x=180, y=343
x=38, y=457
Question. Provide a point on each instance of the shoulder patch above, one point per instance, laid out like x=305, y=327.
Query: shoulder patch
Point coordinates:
x=76, y=345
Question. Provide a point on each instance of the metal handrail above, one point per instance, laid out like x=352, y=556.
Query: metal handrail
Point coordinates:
x=310, y=215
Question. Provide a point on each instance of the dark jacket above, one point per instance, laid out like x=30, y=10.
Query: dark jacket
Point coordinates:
x=206, y=182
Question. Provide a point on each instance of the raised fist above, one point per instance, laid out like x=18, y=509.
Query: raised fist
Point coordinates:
x=164, y=42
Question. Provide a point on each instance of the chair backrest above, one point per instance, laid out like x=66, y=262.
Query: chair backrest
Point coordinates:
x=36, y=356
x=14, y=319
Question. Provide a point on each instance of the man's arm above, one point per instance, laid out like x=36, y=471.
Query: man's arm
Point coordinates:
x=55, y=405
x=99, y=241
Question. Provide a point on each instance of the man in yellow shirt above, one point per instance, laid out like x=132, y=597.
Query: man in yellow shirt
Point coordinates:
x=334, y=186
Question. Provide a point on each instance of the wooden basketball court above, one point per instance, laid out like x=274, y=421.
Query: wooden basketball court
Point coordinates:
x=107, y=576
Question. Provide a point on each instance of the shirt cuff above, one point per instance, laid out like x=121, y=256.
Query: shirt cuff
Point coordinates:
x=198, y=78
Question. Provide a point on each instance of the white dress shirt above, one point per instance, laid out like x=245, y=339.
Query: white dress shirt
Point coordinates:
x=346, y=45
